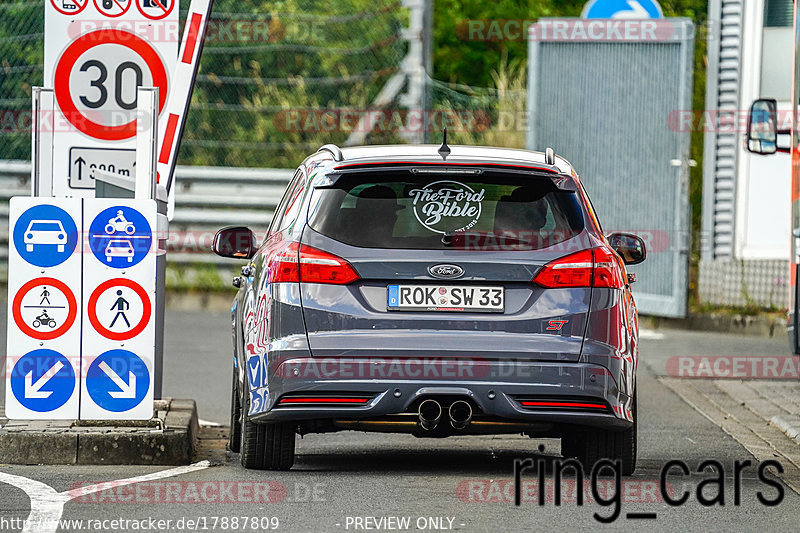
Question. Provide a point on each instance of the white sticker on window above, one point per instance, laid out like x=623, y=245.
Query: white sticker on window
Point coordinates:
x=447, y=206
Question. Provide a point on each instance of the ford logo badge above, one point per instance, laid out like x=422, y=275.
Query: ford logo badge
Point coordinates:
x=446, y=271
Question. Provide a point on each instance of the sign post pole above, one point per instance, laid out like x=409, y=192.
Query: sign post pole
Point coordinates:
x=42, y=145
x=146, y=142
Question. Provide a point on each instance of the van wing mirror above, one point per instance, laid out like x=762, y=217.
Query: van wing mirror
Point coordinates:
x=762, y=129
x=235, y=242
x=630, y=247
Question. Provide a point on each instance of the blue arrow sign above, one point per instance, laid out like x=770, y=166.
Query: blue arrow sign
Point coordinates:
x=43, y=380
x=120, y=237
x=118, y=380
x=45, y=235
x=630, y=9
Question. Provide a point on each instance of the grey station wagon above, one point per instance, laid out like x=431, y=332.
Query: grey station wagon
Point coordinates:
x=434, y=291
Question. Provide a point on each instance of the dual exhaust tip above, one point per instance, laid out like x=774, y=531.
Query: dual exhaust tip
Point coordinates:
x=430, y=414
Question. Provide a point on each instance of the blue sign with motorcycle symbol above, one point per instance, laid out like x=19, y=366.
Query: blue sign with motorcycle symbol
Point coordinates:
x=120, y=237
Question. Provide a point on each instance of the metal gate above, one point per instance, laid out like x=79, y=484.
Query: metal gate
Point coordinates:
x=613, y=107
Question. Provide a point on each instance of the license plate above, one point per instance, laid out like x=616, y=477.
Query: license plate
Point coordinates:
x=452, y=298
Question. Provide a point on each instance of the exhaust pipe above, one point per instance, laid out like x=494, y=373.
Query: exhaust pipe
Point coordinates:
x=430, y=412
x=460, y=414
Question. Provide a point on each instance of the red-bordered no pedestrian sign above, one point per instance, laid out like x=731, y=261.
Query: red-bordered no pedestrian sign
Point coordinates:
x=103, y=68
x=119, y=309
x=69, y=7
x=44, y=327
x=155, y=9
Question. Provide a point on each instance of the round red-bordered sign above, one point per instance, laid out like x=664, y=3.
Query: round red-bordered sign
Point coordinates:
x=125, y=335
x=71, y=55
x=162, y=10
x=122, y=5
x=60, y=6
x=72, y=309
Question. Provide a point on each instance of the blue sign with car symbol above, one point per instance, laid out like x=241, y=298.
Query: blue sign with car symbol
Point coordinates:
x=45, y=235
x=120, y=237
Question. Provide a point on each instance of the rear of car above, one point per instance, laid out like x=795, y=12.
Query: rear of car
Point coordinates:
x=436, y=298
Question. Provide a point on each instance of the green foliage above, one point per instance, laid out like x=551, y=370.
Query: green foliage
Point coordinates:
x=318, y=55
x=21, y=58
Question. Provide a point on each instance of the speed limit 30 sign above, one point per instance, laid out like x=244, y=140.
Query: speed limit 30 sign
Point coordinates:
x=96, y=56
x=96, y=79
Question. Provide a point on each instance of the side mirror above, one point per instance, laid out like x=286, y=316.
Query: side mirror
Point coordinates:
x=236, y=242
x=762, y=130
x=630, y=247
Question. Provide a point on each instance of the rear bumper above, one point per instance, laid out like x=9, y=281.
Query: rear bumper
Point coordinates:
x=495, y=388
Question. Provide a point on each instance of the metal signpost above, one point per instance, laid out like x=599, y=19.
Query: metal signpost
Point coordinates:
x=96, y=55
x=87, y=258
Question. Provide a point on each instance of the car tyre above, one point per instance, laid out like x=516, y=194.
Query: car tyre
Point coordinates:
x=235, y=439
x=266, y=446
x=591, y=446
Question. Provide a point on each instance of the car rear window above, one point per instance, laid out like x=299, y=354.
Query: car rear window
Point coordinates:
x=438, y=211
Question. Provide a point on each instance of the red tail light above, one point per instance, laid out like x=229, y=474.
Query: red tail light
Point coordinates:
x=608, y=271
x=599, y=267
x=304, y=263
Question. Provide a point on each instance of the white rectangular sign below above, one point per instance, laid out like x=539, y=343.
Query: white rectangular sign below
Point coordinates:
x=44, y=294
x=81, y=309
x=119, y=306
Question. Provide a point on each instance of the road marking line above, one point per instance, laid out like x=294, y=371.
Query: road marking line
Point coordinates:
x=47, y=505
x=209, y=423
x=650, y=334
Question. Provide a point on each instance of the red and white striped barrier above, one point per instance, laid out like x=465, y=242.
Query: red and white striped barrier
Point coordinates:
x=173, y=118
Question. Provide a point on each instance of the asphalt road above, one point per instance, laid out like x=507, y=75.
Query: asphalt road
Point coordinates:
x=339, y=480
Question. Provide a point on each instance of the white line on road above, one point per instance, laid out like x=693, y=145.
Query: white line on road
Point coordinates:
x=650, y=335
x=209, y=423
x=47, y=505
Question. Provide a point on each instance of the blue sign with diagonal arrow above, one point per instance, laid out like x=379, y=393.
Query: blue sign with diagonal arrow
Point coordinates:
x=43, y=380
x=622, y=9
x=118, y=380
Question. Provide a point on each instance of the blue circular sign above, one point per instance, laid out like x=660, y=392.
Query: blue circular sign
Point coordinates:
x=42, y=380
x=118, y=380
x=45, y=235
x=630, y=9
x=120, y=237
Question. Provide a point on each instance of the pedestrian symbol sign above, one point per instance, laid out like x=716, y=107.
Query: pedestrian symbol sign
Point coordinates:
x=44, y=308
x=120, y=237
x=119, y=309
x=118, y=381
x=45, y=235
x=42, y=381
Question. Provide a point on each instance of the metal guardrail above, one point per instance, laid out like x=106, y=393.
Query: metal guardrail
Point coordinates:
x=207, y=199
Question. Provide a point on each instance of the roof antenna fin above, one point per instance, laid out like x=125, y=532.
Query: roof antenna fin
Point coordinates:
x=444, y=150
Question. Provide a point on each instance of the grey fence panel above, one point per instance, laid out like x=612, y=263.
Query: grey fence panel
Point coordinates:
x=208, y=199
x=609, y=108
